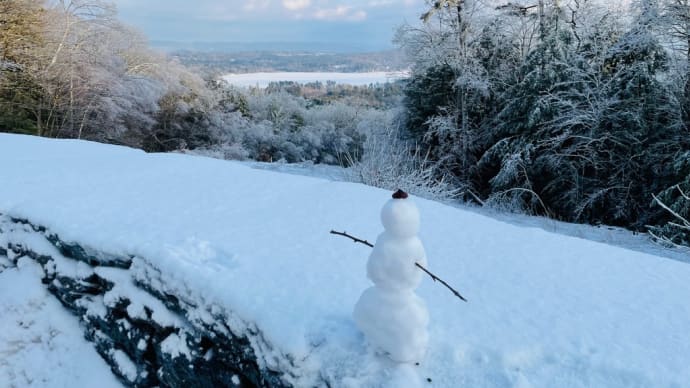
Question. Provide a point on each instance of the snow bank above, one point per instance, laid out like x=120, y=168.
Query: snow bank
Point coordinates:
x=544, y=309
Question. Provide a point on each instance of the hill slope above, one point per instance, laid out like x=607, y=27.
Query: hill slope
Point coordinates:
x=544, y=309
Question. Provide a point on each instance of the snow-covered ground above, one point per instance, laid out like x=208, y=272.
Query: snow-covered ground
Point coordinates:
x=610, y=235
x=41, y=344
x=545, y=310
x=263, y=79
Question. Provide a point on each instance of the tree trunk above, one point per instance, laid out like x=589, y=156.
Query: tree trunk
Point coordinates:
x=542, y=21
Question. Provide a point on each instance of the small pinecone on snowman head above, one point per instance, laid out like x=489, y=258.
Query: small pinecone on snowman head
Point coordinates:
x=400, y=194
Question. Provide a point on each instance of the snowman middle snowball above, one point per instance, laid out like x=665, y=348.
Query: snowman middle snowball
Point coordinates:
x=391, y=316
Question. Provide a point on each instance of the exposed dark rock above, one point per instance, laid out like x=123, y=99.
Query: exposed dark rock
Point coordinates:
x=175, y=352
x=69, y=290
x=88, y=255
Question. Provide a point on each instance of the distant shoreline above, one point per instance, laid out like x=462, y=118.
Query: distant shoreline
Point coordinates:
x=262, y=79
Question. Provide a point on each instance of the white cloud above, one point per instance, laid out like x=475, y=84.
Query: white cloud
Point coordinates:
x=354, y=21
x=358, y=16
x=296, y=5
x=252, y=5
x=381, y=3
x=392, y=3
x=340, y=13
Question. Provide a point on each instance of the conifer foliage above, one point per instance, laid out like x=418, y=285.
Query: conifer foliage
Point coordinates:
x=571, y=111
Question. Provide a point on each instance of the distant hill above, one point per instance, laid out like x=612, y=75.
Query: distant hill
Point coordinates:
x=230, y=47
x=265, y=57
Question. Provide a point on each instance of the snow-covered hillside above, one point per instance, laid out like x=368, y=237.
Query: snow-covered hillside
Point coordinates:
x=544, y=310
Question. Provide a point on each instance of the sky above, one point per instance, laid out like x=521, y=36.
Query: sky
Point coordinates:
x=365, y=24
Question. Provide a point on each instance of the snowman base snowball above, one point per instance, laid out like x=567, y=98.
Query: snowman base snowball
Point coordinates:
x=394, y=323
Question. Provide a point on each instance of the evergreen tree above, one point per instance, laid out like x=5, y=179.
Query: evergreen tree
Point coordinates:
x=510, y=163
x=644, y=127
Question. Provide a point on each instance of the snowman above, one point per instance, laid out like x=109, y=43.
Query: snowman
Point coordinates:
x=391, y=316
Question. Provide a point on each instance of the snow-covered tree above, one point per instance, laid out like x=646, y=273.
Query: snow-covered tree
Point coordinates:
x=450, y=90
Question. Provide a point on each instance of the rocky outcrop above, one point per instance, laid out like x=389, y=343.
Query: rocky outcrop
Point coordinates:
x=150, y=332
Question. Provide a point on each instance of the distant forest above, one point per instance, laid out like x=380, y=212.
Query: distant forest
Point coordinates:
x=272, y=61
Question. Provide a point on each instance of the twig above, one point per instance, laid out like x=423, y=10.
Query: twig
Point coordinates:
x=355, y=239
x=437, y=279
x=433, y=277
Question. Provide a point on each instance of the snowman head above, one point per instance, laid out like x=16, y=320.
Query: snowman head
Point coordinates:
x=400, y=216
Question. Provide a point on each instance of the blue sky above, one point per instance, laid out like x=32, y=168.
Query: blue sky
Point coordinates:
x=366, y=23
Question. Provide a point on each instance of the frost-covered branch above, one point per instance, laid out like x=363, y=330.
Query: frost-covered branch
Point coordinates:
x=686, y=223
x=676, y=232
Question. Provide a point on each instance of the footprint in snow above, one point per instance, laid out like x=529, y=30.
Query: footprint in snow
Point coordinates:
x=203, y=254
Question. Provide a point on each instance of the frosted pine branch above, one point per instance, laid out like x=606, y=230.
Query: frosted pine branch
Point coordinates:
x=433, y=277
